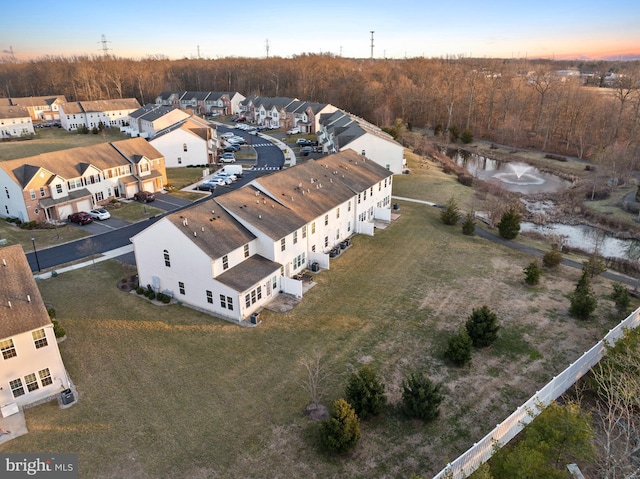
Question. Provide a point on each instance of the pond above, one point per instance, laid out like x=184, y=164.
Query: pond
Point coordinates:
x=512, y=176
x=585, y=238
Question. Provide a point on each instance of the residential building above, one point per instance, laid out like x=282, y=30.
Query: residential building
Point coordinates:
x=232, y=254
x=203, y=102
x=31, y=368
x=150, y=119
x=15, y=121
x=340, y=131
x=190, y=142
x=50, y=186
x=41, y=108
x=90, y=114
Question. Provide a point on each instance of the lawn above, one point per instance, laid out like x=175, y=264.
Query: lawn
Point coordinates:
x=54, y=139
x=167, y=392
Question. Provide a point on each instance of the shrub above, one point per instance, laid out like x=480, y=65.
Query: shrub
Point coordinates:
x=532, y=273
x=421, y=397
x=469, y=225
x=594, y=265
x=166, y=299
x=620, y=297
x=58, y=330
x=451, y=214
x=466, y=137
x=28, y=225
x=341, y=432
x=459, y=349
x=365, y=393
x=465, y=180
x=454, y=134
x=552, y=259
x=509, y=225
x=482, y=327
x=583, y=300
x=95, y=130
x=52, y=313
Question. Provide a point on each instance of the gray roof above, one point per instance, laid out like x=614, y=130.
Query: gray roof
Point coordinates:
x=21, y=306
x=246, y=274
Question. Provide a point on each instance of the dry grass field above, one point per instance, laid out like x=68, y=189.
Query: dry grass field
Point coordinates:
x=168, y=392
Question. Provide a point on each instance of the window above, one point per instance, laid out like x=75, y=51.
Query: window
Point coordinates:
x=259, y=292
x=313, y=228
x=209, y=297
x=225, y=262
x=223, y=301
x=8, y=349
x=99, y=196
x=349, y=226
x=371, y=191
x=32, y=193
x=364, y=195
x=181, y=287
x=247, y=300
x=304, y=231
x=295, y=237
x=6, y=192
x=229, y=303
x=283, y=244
x=59, y=188
x=349, y=206
x=326, y=220
x=31, y=382
x=338, y=213
x=45, y=377
x=16, y=387
x=179, y=160
x=39, y=338
x=359, y=198
x=326, y=241
x=246, y=251
x=253, y=296
x=184, y=147
x=167, y=259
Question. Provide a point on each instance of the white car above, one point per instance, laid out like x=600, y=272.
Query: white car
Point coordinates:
x=99, y=214
x=293, y=131
x=226, y=135
x=236, y=140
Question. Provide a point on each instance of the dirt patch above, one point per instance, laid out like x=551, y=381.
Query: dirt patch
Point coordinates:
x=128, y=284
x=317, y=413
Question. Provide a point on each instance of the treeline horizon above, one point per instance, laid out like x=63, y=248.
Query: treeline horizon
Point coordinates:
x=518, y=102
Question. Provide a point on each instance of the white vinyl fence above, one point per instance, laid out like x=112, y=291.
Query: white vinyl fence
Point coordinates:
x=481, y=451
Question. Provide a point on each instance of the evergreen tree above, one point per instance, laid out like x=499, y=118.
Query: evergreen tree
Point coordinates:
x=509, y=225
x=469, y=225
x=482, y=327
x=621, y=298
x=341, y=432
x=459, y=348
x=421, y=397
x=552, y=259
x=532, y=273
x=365, y=393
x=583, y=299
x=451, y=214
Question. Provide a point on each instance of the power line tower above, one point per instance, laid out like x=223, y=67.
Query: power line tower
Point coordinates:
x=266, y=45
x=105, y=48
x=372, y=32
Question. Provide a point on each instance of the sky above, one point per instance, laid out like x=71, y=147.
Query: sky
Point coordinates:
x=556, y=29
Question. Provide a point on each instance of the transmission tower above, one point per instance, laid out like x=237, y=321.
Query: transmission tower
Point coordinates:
x=372, y=32
x=105, y=48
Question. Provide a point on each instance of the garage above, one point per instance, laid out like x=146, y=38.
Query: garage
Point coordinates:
x=64, y=211
x=84, y=205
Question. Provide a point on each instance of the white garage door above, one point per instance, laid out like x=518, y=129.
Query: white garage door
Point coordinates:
x=84, y=205
x=65, y=211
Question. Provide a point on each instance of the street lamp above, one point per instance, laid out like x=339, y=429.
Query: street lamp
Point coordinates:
x=35, y=252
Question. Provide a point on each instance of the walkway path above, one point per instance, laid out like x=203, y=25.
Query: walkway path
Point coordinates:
x=529, y=250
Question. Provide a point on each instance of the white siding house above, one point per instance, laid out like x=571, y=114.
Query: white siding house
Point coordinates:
x=246, y=246
x=31, y=368
x=188, y=143
x=15, y=121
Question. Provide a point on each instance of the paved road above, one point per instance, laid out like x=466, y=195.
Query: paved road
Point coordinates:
x=527, y=249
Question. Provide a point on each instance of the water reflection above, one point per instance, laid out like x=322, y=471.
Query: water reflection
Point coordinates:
x=512, y=176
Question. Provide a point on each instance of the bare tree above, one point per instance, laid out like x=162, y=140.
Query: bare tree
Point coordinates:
x=315, y=376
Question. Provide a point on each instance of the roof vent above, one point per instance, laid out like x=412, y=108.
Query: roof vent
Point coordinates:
x=259, y=217
x=195, y=233
x=9, y=302
x=185, y=222
x=273, y=206
x=4, y=262
x=203, y=229
x=264, y=201
x=28, y=298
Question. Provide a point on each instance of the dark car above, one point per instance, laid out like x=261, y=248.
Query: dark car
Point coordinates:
x=304, y=142
x=231, y=148
x=144, y=196
x=305, y=150
x=81, y=217
x=206, y=187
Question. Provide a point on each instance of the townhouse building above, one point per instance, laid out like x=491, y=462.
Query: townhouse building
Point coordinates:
x=50, y=186
x=15, y=121
x=231, y=255
x=90, y=114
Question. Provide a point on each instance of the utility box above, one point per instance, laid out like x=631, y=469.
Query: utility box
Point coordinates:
x=315, y=267
x=255, y=317
x=67, y=396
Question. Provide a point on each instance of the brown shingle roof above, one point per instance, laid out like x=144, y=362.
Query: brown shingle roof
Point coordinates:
x=246, y=274
x=27, y=311
x=14, y=112
x=216, y=232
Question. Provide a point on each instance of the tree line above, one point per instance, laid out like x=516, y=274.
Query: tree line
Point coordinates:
x=518, y=102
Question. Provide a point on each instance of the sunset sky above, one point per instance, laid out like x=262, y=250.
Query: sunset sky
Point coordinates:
x=403, y=28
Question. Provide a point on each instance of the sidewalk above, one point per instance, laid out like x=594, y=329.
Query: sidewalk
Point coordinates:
x=105, y=256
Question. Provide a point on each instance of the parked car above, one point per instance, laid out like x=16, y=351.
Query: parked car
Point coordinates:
x=206, y=186
x=305, y=150
x=237, y=140
x=231, y=148
x=144, y=196
x=303, y=142
x=226, y=135
x=216, y=181
x=228, y=158
x=293, y=131
x=81, y=217
x=99, y=214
